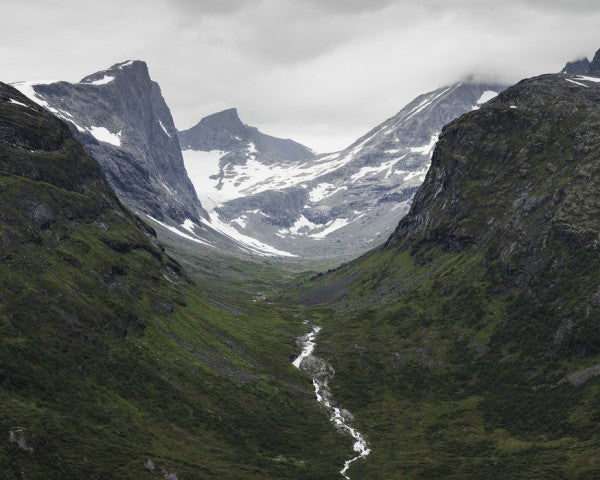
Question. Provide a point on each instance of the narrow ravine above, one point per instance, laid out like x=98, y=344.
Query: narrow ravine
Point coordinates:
x=320, y=371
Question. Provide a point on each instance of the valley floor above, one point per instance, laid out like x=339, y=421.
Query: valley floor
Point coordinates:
x=423, y=386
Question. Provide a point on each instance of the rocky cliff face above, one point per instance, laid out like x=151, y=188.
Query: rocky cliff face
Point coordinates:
x=312, y=207
x=121, y=118
x=527, y=160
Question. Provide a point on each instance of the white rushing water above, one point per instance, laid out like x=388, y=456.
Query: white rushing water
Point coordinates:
x=360, y=446
x=308, y=345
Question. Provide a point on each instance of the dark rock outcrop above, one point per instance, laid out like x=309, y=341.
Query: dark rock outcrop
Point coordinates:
x=582, y=66
x=577, y=67
x=526, y=163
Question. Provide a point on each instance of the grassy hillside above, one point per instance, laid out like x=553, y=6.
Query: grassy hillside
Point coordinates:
x=469, y=346
x=114, y=364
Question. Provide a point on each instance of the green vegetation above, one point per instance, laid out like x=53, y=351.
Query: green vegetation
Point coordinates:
x=111, y=355
x=452, y=343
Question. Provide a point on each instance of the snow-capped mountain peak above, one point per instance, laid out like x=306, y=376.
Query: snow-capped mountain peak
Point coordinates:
x=309, y=206
x=121, y=118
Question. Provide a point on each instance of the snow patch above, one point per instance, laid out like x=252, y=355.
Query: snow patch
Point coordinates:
x=250, y=243
x=301, y=224
x=200, y=167
x=577, y=83
x=370, y=170
x=251, y=150
x=331, y=227
x=588, y=79
x=12, y=100
x=164, y=129
x=487, y=96
x=420, y=174
x=426, y=149
x=125, y=64
x=242, y=221
x=252, y=177
x=185, y=225
x=27, y=89
x=424, y=103
x=102, y=81
x=189, y=225
x=104, y=135
x=330, y=156
x=323, y=190
x=167, y=188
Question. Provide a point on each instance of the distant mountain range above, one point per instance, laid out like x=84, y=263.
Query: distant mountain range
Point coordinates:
x=331, y=205
x=233, y=187
x=238, y=189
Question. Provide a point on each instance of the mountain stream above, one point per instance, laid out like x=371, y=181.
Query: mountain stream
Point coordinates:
x=320, y=372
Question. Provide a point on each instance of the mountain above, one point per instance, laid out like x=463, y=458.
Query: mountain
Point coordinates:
x=225, y=131
x=121, y=118
x=583, y=66
x=310, y=206
x=467, y=346
x=117, y=364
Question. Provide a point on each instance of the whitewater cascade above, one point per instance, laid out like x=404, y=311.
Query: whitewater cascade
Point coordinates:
x=320, y=379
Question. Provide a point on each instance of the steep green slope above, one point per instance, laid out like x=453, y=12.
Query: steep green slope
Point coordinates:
x=469, y=345
x=113, y=364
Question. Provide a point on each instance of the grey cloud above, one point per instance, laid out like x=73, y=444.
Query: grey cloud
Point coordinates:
x=320, y=71
x=561, y=5
x=351, y=6
x=209, y=7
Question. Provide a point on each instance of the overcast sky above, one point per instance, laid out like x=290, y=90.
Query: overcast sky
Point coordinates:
x=322, y=72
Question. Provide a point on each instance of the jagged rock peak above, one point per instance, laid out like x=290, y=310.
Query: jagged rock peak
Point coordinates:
x=226, y=119
x=582, y=66
x=595, y=64
x=219, y=131
x=123, y=121
x=135, y=68
x=225, y=131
